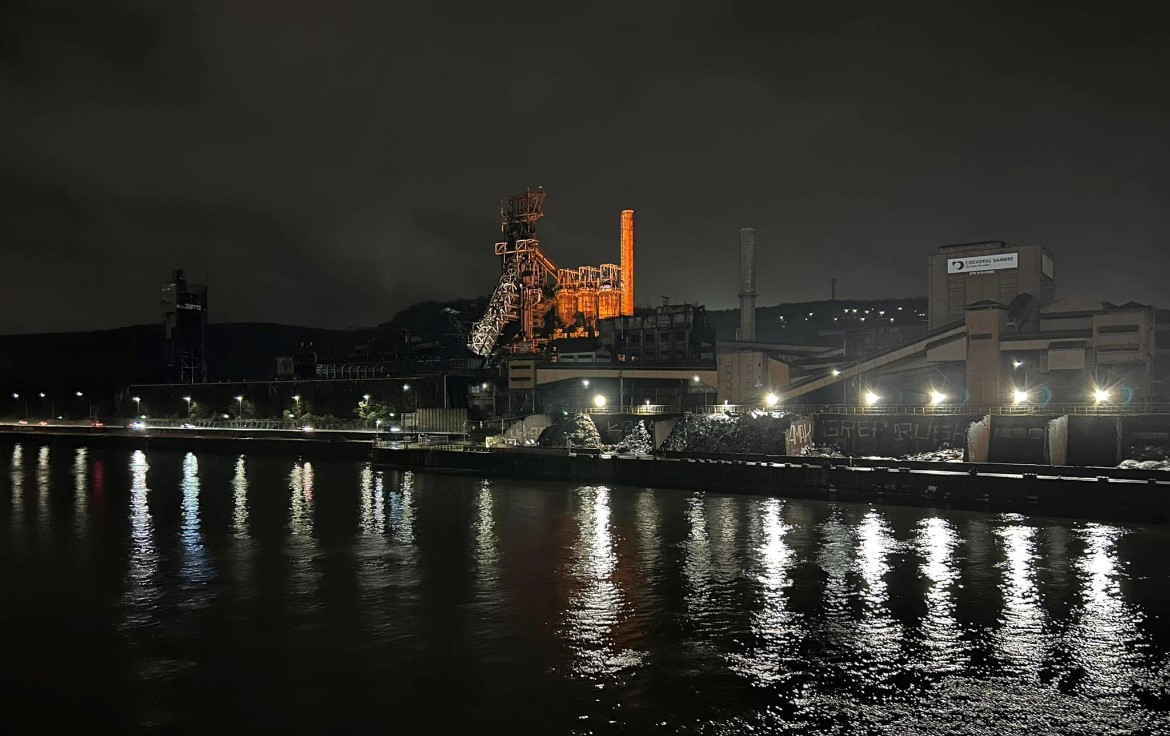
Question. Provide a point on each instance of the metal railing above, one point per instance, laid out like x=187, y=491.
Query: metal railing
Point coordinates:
x=1103, y=409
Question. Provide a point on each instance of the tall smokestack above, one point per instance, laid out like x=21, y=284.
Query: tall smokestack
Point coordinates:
x=747, y=283
x=627, y=263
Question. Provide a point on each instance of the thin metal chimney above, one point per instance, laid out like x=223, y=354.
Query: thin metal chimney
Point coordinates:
x=747, y=283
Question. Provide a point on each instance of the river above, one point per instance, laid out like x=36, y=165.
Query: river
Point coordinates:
x=174, y=592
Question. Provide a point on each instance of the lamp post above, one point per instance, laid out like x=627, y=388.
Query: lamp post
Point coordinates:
x=79, y=395
x=137, y=405
x=52, y=404
x=240, y=401
x=377, y=429
x=188, y=400
x=16, y=397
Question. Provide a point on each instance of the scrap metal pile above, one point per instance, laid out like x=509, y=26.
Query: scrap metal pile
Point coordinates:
x=752, y=433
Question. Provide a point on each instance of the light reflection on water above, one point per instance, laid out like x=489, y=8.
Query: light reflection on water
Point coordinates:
x=1021, y=639
x=777, y=632
x=1104, y=637
x=936, y=540
x=142, y=587
x=630, y=608
x=597, y=607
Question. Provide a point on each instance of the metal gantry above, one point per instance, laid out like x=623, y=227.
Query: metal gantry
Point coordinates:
x=531, y=286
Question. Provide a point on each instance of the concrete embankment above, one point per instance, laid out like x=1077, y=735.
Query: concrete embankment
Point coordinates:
x=320, y=444
x=1085, y=492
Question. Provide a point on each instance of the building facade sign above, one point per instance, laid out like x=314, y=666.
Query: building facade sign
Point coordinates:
x=982, y=264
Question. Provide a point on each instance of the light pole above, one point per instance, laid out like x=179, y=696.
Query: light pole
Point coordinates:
x=52, y=404
x=188, y=400
x=80, y=394
x=138, y=406
x=377, y=429
x=240, y=400
x=16, y=397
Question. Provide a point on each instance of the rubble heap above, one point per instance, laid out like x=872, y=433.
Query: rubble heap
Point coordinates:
x=757, y=432
x=637, y=442
x=577, y=429
x=1147, y=457
x=943, y=454
x=821, y=451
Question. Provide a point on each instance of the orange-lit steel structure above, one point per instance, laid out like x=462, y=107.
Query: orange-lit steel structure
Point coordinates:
x=532, y=289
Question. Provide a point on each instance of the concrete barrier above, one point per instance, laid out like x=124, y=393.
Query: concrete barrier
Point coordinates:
x=892, y=435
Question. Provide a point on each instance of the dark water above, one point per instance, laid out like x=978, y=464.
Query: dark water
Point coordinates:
x=202, y=593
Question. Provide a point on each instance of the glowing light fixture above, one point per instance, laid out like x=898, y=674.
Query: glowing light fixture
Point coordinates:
x=1102, y=395
x=937, y=397
x=599, y=401
x=1019, y=396
x=836, y=373
x=871, y=399
x=771, y=400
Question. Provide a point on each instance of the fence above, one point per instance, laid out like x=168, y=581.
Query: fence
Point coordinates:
x=880, y=409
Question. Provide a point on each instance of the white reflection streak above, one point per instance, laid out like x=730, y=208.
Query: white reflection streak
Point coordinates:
x=16, y=478
x=774, y=626
x=402, y=510
x=80, y=490
x=195, y=564
x=697, y=566
x=877, y=631
x=835, y=558
x=240, y=499
x=44, y=489
x=366, y=486
x=1105, y=631
x=301, y=557
x=942, y=637
x=595, y=610
x=724, y=532
x=487, y=555
x=1021, y=634
x=379, y=502
x=141, y=587
x=301, y=502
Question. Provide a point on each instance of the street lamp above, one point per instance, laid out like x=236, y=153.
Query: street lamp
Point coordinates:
x=771, y=400
x=1102, y=395
x=937, y=398
x=188, y=400
x=137, y=404
x=377, y=428
x=366, y=397
x=871, y=399
x=599, y=401
x=240, y=399
x=1019, y=396
x=585, y=382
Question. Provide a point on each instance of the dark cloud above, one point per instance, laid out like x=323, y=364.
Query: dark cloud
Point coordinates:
x=329, y=163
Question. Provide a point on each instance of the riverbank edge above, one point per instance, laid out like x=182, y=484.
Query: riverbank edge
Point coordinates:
x=1036, y=491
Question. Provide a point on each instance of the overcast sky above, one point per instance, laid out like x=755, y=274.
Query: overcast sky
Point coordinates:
x=328, y=163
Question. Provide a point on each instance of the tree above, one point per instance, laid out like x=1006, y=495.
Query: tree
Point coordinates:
x=371, y=410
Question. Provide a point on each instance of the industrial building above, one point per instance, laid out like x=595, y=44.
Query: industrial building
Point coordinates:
x=669, y=333
x=1022, y=277
x=184, y=308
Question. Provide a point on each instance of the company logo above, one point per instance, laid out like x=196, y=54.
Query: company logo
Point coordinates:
x=956, y=265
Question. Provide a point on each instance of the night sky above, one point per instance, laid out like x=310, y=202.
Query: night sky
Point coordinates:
x=328, y=163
